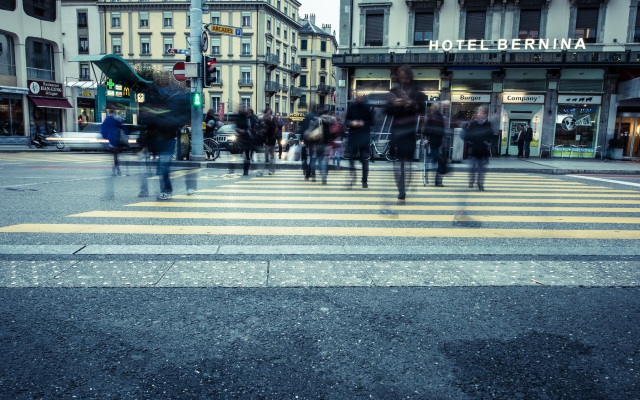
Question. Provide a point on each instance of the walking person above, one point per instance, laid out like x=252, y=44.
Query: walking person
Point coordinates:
x=526, y=140
x=337, y=141
x=435, y=134
x=359, y=120
x=279, y=123
x=479, y=134
x=268, y=131
x=310, y=117
x=520, y=141
x=113, y=129
x=405, y=105
x=245, y=128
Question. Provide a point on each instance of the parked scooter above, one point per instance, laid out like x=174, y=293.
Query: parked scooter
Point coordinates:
x=41, y=140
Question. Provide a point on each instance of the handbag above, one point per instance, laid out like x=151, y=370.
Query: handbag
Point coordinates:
x=315, y=134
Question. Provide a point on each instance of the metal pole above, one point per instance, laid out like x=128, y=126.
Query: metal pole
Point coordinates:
x=197, y=138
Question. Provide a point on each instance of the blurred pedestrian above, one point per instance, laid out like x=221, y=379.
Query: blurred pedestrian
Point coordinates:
x=115, y=132
x=268, y=131
x=320, y=150
x=359, y=120
x=435, y=135
x=309, y=119
x=479, y=134
x=245, y=129
x=520, y=140
x=279, y=123
x=337, y=140
x=526, y=140
x=210, y=124
x=405, y=105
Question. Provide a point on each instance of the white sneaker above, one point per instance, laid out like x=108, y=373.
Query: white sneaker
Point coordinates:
x=164, y=196
x=190, y=192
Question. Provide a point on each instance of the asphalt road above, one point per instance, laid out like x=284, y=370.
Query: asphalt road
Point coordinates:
x=274, y=287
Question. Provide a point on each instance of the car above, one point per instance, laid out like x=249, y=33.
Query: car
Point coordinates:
x=225, y=136
x=88, y=137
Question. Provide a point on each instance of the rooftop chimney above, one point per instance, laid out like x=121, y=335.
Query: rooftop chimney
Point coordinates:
x=312, y=19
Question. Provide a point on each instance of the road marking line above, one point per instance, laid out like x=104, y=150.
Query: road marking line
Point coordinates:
x=323, y=231
x=323, y=192
x=362, y=217
x=350, y=207
x=592, y=178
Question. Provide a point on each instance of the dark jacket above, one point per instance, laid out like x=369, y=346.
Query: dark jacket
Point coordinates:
x=359, y=136
x=279, y=125
x=268, y=131
x=210, y=121
x=110, y=130
x=405, y=120
x=245, y=129
x=527, y=135
x=435, y=128
x=479, y=135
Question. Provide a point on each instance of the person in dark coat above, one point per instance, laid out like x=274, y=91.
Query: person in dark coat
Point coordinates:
x=478, y=135
x=435, y=134
x=245, y=129
x=304, y=152
x=279, y=123
x=268, y=131
x=210, y=123
x=359, y=120
x=526, y=140
x=110, y=130
x=405, y=105
x=520, y=140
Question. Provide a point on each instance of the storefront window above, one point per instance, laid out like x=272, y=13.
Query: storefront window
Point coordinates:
x=11, y=116
x=44, y=120
x=577, y=128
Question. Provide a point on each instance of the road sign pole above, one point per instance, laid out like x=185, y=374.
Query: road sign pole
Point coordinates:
x=197, y=138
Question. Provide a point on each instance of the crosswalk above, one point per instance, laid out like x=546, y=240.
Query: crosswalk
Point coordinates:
x=43, y=157
x=518, y=206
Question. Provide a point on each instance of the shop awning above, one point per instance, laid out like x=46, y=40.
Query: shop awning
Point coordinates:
x=114, y=67
x=51, y=103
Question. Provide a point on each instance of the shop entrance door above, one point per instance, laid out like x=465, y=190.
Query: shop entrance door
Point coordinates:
x=628, y=129
x=515, y=125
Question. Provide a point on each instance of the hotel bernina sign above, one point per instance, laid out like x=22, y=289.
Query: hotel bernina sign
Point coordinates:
x=507, y=44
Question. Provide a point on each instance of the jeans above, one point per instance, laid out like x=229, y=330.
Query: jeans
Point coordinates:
x=435, y=155
x=527, y=149
x=164, y=169
x=477, y=172
x=269, y=152
x=362, y=152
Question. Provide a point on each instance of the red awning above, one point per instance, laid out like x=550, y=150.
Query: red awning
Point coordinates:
x=51, y=103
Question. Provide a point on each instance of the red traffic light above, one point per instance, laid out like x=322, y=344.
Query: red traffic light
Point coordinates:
x=210, y=70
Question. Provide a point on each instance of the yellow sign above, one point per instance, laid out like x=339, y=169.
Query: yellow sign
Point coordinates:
x=296, y=116
x=226, y=30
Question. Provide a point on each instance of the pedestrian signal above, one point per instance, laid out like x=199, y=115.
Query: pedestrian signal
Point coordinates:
x=196, y=99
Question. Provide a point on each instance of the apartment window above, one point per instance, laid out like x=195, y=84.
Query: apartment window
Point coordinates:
x=284, y=81
x=44, y=10
x=303, y=80
x=323, y=46
x=277, y=107
x=145, y=46
x=215, y=46
x=215, y=18
x=167, y=43
x=286, y=9
x=636, y=32
x=82, y=19
x=277, y=28
x=303, y=44
x=323, y=64
x=323, y=101
x=84, y=72
x=167, y=19
x=245, y=74
x=286, y=33
x=374, y=28
x=269, y=24
x=246, y=19
x=115, y=20
x=278, y=5
x=529, y=24
x=474, y=26
x=144, y=19
x=284, y=56
x=423, y=29
x=303, y=100
x=293, y=38
x=83, y=44
x=215, y=103
x=39, y=60
x=9, y=5
x=246, y=47
x=587, y=24
x=116, y=45
x=245, y=101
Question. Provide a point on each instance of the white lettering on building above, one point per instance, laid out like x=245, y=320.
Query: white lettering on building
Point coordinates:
x=508, y=44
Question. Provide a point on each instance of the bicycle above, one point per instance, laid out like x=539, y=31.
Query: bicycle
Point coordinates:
x=387, y=152
x=211, y=148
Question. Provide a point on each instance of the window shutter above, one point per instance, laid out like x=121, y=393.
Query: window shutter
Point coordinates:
x=587, y=18
x=374, y=29
x=424, y=22
x=474, y=28
x=530, y=20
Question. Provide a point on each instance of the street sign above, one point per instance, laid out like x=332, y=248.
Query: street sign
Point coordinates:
x=226, y=30
x=178, y=72
x=204, y=41
x=296, y=117
x=178, y=51
x=140, y=97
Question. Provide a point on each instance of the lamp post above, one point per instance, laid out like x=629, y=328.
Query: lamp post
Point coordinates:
x=197, y=138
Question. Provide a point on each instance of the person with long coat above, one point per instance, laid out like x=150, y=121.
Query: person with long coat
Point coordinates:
x=405, y=106
x=435, y=134
x=359, y=120
x=479, y=135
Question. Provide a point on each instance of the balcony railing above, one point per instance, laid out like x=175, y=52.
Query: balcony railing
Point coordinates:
x=271, y=86
x=284, y=88
x=37, y=73
x=322, y=88
x=295, y=92
x=296, y=69
x=245, y=82
x=7, y=69
x=272, y=60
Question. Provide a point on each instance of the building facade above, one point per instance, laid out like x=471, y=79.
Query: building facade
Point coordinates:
x=554, y=64
x=317, y=80
x=32, y=95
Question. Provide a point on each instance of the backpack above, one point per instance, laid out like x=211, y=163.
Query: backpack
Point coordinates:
x=314, y=133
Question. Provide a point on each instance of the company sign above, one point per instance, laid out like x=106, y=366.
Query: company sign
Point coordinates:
x=579, y=99
x=45, y=89
x=470, y=98
x=522, y=98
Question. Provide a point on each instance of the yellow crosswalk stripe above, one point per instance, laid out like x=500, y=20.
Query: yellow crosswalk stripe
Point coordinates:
x=405, y=207
x=323, y=192
x=361, y=217
x=332, y=231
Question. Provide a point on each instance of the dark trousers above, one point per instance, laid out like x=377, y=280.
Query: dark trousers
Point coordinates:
x=435, y=156
x=527, y=149
x=362, y=152
x=520, y=149
x=279, y=142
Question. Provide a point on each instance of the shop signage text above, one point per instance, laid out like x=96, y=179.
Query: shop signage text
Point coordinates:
x=470, y=98
x=579, y=99
x=45, y=89
x=522, y=98
x=507, y=44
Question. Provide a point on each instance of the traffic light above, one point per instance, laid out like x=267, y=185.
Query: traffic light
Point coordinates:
x=209, y=71
x=196, y=99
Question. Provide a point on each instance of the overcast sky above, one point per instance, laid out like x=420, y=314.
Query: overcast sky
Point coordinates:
x=326, y=11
